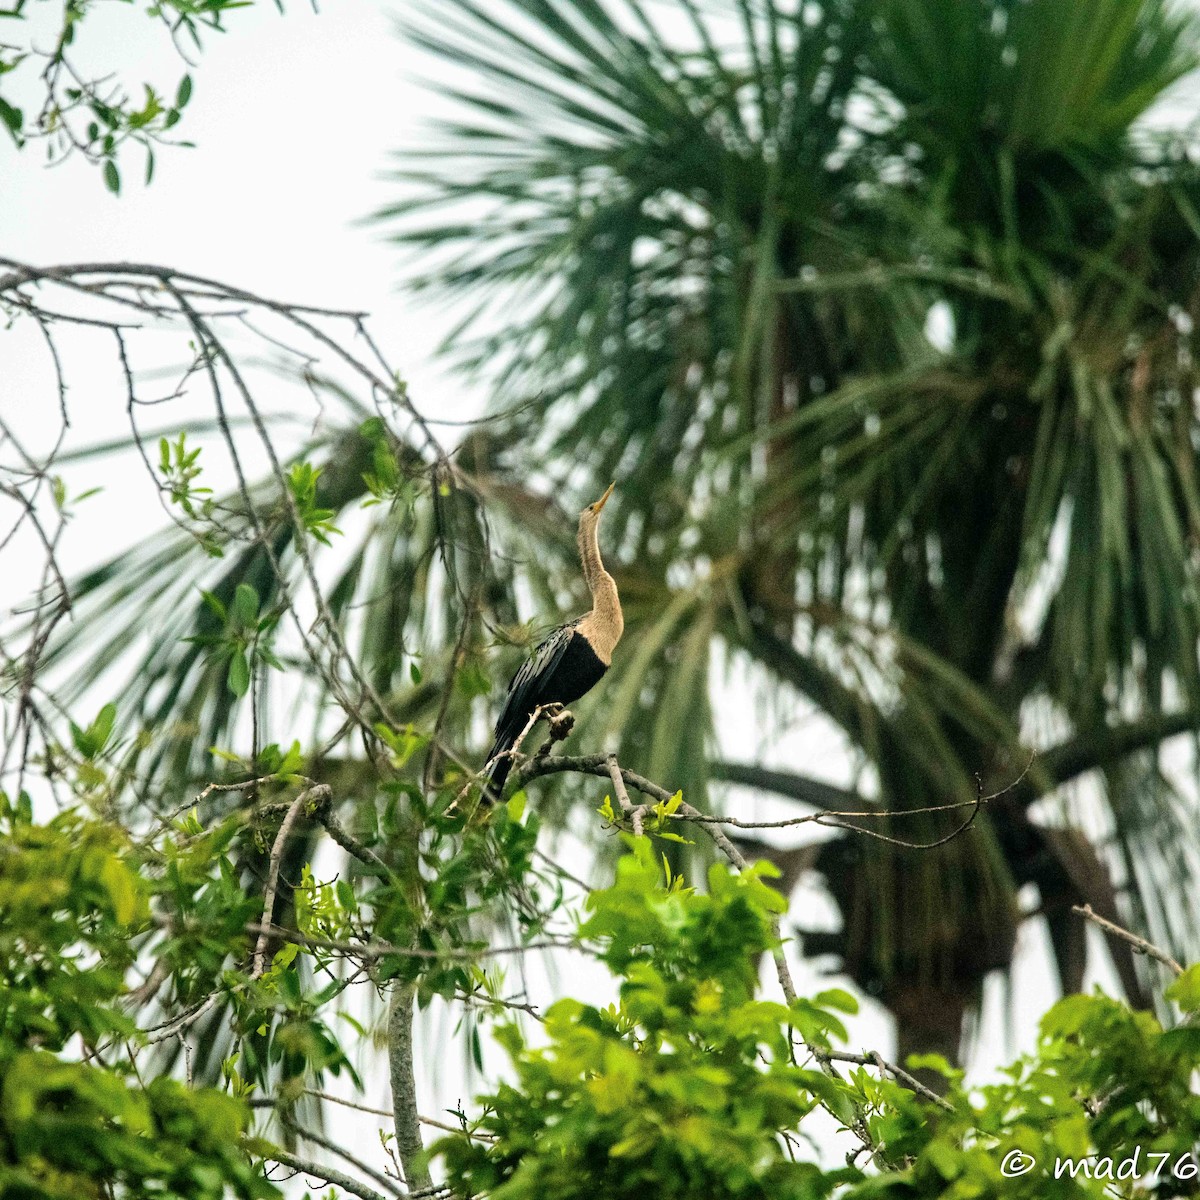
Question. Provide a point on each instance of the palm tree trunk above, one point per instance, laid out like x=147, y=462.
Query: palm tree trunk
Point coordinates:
x=929, y=1020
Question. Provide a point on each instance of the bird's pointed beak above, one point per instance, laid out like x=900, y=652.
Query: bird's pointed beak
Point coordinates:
x=604, y=499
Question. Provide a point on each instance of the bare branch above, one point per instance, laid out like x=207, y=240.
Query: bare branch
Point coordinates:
x=325, y=1174
x=1139, y=944
x=598, y=764
x=368, y=951
x=365, y=1168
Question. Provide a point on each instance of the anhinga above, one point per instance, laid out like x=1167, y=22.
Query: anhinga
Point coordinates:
x=572, y=660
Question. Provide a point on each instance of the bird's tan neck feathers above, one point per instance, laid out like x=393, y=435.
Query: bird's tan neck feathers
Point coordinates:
x=604, y=625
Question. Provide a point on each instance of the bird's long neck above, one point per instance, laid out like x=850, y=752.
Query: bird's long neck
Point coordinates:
x=604, y=625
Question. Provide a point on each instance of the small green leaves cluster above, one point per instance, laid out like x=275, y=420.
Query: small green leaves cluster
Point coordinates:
x=318, y=521
x=280, y=1019
x=55, y=880
x=93, y=115
x=244, y=642
x=90, y=743
x=179, y=466
x=283, y=1023
x=199, y=885
x=466, y=870
x=385, y=482
x=679, y=1090
x=65, y=503
x=656, y=818
x=180, y=469
x=403, y=742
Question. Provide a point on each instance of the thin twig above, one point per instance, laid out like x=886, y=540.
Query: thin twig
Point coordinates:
x=626, y=805
x=432, y=1122
x=562, y=871
x=1139, y=944
x=184, y=1021
x=325, y=1143
x=329, y=1174
x=373, y=950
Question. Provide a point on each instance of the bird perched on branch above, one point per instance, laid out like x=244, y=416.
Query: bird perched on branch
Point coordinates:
x=571, y=661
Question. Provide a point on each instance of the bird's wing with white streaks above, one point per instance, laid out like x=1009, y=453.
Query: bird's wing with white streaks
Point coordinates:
x=537, y=666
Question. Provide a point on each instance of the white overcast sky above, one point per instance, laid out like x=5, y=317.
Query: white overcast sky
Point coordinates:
x=294, y=119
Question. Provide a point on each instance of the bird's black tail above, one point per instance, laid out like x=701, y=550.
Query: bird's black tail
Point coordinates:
x=500, y=768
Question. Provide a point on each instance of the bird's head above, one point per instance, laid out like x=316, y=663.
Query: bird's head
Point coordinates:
x=591, y=514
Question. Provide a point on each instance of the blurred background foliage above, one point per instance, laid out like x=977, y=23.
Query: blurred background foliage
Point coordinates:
x=881, y=313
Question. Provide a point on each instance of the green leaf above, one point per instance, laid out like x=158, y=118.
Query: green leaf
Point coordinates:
x=102, y=727
x=837, y=1097
x=13, y=118
x=245, y=605
x=213, y=602
x=837, y=998
x=184, y=92
x=286, y=955
x=239, y=673
x=1185, y=990
x=112, y=177
x=119, y=883
x=516, y=807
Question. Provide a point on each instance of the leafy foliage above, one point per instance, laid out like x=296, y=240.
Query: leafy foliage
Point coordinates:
x=689, y=1085
x=46, y=97
x=1108, y=1091
x=73, y=1128
x=721, y=241
x=679, y=1089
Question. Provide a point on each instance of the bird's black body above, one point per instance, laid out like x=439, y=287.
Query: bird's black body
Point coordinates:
x=559, y=671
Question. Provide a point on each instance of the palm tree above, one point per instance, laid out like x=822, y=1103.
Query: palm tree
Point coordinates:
x=731, y=226
x=708, y=245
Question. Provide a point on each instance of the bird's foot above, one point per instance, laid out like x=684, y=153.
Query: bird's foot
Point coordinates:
x=561, y=722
